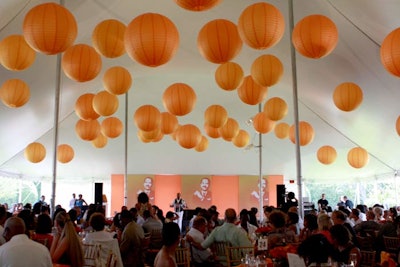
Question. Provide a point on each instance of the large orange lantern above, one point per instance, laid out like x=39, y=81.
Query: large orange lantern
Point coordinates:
x=390, y=52
x=262, y=124
x=14, y=93
x=276, y=108
x=267, y=70
x=251, y=92
x=242, y=139
x=357, y=157
x=306, y=133
x=315, y=36
x=15, y=53
x=111, y=127
x=147, y=118
x=87, y=130
x=50, y=28
x=151, y=39
x=169, y=123
x=188, y=136
x=179, y=99
x=261, y=25
x=35, y=152
x=197, y=5
x=229, y=130
x=215, y=116
x=100, y=141
x=202, y=145
x=108, y=38
x=84, y=107
x=347, y=96
x=218, y=41
x=282, y=130
x=65, y=153
x=81, y=63
x=105, y=103
x=326, y=154
x=211, y=131
x=229, y=75
x=117, y=80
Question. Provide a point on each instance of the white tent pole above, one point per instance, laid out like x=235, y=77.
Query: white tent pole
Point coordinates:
x=261, y=193
x=126, y=152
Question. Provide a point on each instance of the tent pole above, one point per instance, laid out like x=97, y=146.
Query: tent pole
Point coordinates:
x=126, y=152
x=261, y=190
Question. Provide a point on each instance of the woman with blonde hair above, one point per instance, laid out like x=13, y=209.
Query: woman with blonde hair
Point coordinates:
x=324, y=224
x=66, y=247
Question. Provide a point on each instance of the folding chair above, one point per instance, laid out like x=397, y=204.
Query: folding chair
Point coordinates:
x=91, y=254
x=234, y=255
x=182, y=256
x=219, y=250
x=368, y=258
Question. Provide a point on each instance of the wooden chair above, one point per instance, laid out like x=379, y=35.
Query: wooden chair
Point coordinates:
x=392, y=244
x=368, y=258
x=366, y=243
x=219, y=250
x=234, y=255
x=112, y=260
x=91, y=254
x=182, y=256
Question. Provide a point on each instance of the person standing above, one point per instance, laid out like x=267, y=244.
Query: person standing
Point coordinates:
x=322, y=203
x=348, y=203
x=179, y=204
x=72, y=201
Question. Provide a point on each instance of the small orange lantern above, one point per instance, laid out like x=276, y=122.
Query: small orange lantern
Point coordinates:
x=14, y=93
x=306, y=133
x=242, y=139
x=326, y=155
x=87, y=130
x=282, y=130
x=229, y=130
x=50, y=28
x=150, y=135
x=81, y=63
x=173, y=135
x=143, y=138
x=105, y=103
x=147, y=118
x=100, y=141
x=215, y=116
x=357, y=157
x=251, y=92
x=179, y=99
x=197, y=5
x=117, y=80
x=211, y=131
x=35, y=152
x=65, y=153
x=111, y=127
x=267, y=70
x=188, y=136
x=151, y=39
x=218, y=41
x=108, y=38
x=169, y=123
x=262, y=124
x=202, y=145
x=158, y=138
x=229, y=75
x=84, y=107
x=390, y=52
x=347, y=96
x=276, y=108
x=315, y=36
x=261, y=25
x=15, y=53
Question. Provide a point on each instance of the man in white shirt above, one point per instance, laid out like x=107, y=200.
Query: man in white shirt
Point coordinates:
x=72, y=201
x=19, y=249
x=179, y=204
x=201, y=257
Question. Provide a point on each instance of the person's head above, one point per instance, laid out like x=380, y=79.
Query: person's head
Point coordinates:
x=3, y=215
x=44, y=224
x=134, y=212
x=80, y=196
x=178, y=195
x=323, y=196
x=171, y=234
x=143, y=198
x=170, y=215
x=291, y=195
x=146, y=214
x=378, y=212
x=344, y=198
x=244, y=215
x=97, y=221
x=315, y=249
x=355, y=213
x=293, y=217
x=125, y=217
x=361, y=208
x=277, y=219
x=340, y=234
x=200, y=223
x=370, y=215
x=205, y=183
x=230, y=215
x=310, y=221
x=13, y=226
x=393, y=212
x=73, y=195
x=42, y=198
x=147, y=183
x=338, y=217
x=324, y=222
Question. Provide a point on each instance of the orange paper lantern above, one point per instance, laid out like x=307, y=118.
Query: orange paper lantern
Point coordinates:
x=169, y=123
x=276, y=108
x=197, y=5
x=218, y=41
x=81, y=63
x=267, y=70
x=357, y=157
x=347, y=96
x=315, y=36
x=151, y=39
x=211, y=131
x=100, y=141
x=158, y=138
x=65, y=153
x=179, y=99
x=149, y=135
x=242, y=139
x=202, y=145
x=215, y=116
x=105, y=103
x=326, y=155
x=147, y=118
x=282, y=130
x=117, y=80
x=15, y=53
x=50, y=28
x=111, y=127
x=306, y=133
x=229, y=75
x=262, y=124
x=188, y=136
x=87, y=130
x=261, y=25
x=14, y=93
x=390, y=52
x=108, y=38
x=229, y=130
x=251, y=92
x=84, y=107
x=173, y=135
x=398, y=125
x=35, y=152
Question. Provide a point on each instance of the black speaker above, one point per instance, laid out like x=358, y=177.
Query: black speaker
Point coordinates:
x=98, y=193
x=280, y=195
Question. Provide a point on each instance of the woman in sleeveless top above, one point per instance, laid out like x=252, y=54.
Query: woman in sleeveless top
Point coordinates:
x=343, y=246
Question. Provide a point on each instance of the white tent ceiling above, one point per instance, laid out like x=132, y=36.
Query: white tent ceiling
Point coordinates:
x=362, y=26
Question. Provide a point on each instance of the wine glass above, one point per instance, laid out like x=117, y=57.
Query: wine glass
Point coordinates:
x=353, y=259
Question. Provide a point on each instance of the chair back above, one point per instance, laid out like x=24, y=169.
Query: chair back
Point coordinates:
x=112, y=259
x=156, y=239
x=392, y=244
x=368, y=258
x=91, y=254
x=182, y=256
x=234, y=255
x=366, y=243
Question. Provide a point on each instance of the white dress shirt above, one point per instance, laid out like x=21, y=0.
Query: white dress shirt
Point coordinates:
x=199, y=256
x=107, y=242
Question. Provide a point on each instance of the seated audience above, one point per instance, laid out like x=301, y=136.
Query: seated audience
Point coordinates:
x=43, y=229
x=310, y=226
x=370, y=225
x=245, y=224
x=201, y=257
x=343, y=245
x=316, y=250
x=279, y=235
x=171, y=237
x=324, y=224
